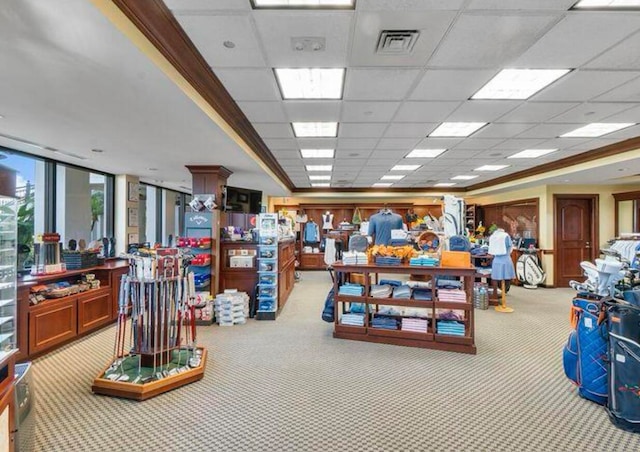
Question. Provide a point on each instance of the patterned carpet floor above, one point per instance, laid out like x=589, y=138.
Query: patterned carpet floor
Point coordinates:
x=289, y=386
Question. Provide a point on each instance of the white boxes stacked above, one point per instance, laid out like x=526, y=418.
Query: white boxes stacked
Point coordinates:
x=232, y=308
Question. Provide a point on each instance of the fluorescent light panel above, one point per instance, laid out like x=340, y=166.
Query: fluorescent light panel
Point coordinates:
x=463, y=177
x=531, y=153
x=445, y=184
x=310, y=83
x=456, y=129
x=320, y=177
x=491, y=167
x=518, y=83
x=424, y=153
x=382, y=184
x=302, y=3
x=405, y=167
x=321, y=184
x=392, y=177
x=597, y=129
x=319, y=167
x=317, y=153
x=315, y=129
x=607, y=4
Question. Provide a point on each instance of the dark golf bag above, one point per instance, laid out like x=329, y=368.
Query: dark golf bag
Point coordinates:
x=623, y=322
x=329, y=307
x=585, y=355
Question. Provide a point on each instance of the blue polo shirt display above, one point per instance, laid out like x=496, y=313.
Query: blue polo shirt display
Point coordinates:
x=381, y=224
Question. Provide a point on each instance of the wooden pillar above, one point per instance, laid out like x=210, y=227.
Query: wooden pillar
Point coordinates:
x=207, y=180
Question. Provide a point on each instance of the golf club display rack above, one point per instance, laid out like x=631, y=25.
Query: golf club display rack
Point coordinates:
x=157, y=352
x=267, y=267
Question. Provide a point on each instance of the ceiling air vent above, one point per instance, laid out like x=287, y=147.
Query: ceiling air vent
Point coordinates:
x=397, y=42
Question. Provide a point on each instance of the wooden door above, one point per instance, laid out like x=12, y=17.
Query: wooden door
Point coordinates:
x=575, y=236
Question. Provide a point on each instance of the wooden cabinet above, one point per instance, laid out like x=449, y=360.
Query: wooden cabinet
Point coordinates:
x=94, y=309
x=312, y=261
x=244, y=279
x=286, y=271
x=51, y=323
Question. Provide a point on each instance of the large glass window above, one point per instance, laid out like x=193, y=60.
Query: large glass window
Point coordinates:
x=147, y=218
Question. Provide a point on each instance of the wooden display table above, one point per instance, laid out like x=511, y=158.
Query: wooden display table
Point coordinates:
x=429, y=339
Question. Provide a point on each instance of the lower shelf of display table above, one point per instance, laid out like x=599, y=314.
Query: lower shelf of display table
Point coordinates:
x=407, y=302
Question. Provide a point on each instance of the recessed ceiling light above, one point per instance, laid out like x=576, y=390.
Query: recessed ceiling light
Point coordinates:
x=457, y=129
x=303, y=3
x=424, y=153
x=445, y=184
x=392, y=177
x=462, y=177
x=491, y=167
x=382, y=184
x=317, y=153
x=319, y=167
x=315, y=129
x=310, y=83
x=518, y=83
x=320, y=177
x=229, y=44
x=405, y=167
x=321, y=184
x=607, y=4
x=531, y=153
x=97, y=151
x=597, y=129
x=153, y=169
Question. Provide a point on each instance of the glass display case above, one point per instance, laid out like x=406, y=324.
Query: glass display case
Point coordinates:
x=267, y=267
x=8, y=238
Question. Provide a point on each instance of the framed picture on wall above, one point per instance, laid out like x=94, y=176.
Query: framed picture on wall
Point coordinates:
x=133, y=191
x=132, y=238
x=132, y=217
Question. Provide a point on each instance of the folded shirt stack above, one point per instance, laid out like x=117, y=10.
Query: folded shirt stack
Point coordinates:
x=444, y=283
x=391, y=282
x=352, y=319
x=424, y=261
x=381, y=291
x=354, y=258
x=453, y=295
x=402, y=292
x=353, y=290
x=450, y=327
x=388, y=260
x=389, y=310
x=423, y=284
x=417, y=325
x=422, y=294
x=398, y=242
x=383, y=322
x=449, y=314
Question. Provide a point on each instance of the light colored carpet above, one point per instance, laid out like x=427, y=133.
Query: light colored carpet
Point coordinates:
x=289, y=386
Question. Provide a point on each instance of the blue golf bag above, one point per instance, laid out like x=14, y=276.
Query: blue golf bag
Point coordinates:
x=585, y=355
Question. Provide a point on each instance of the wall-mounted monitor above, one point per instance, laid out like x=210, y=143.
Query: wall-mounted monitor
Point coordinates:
x=243, y=200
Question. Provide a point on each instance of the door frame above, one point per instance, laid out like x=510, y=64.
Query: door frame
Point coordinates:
x=595, y=229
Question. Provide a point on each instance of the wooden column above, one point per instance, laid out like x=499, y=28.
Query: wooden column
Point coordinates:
x=211, y=179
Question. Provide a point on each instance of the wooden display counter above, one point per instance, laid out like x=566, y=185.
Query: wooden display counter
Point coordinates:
x=428, y=339
x=57, y=321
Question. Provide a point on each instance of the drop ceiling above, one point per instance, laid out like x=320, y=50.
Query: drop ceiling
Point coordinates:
x=72, y=81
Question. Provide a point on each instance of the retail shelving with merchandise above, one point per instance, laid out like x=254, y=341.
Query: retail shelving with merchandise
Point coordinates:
x=8, y=240
x=267, y=267
x=449, y=317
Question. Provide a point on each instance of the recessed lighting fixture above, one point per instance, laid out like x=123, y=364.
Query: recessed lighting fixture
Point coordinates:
x=445, y=184
x=321, y=184
x=310, y=83
x=319, y=167
x=382, y=184
x=97, y=151
x=320, y=177
x=342, y=4
x=491, y=167
x=586, y=4
x=531, y=153
x=317, y=153
x=518, y=83
x=405, y=167
x=153, y=169
x=597, y=129
x=392, y=177
x=315, y=129
x=463, y=177
x=457, y=129
x=424, y=153
x=229, y=44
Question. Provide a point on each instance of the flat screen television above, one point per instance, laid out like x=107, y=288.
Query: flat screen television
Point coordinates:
x=244, y=200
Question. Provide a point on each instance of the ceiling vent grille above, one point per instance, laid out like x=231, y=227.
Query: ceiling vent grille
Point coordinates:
x=397, y=42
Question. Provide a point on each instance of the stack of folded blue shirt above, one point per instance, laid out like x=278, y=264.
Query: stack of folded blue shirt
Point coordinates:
x=352, y=319
x=381, y=291
x=402, y=292
x=388, y=260
x=398, y=242
x=420, y=293
x=443, y=283
x=424, y=261
x=391, y=282
x=386, y=323
x=353, y=290
x=450, y=327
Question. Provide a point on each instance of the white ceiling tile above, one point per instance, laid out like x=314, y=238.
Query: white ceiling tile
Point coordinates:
x=562, y=143
x=591, y=112
x=407, y=5
x=441, y=84
x=502, y=130
x=518, y=144
x=561, y=5
x=482, y=110
x=273, y=130
x=368, y=111
x=249, y=84
x=406, y=144
x=461, y=153
x=387, y=154
x=548, y=131
x=315, y=110
x=478, y=143
x=631, y=115
x=584, y=85
x=348, y=154
x=206, y=5
x=263, y=111
x=489, y=40
x=316, y=143
x=357, y=143
x=536, y=111
x=360, y=130
x=409, y=130
x=379, y=84
x=438, y=143
x=578, y=38
x=281, y=143
x=629, y=132
x=622, y=56
x=277, y=27
x=431, y=24
x=351, y=163
x=629, y=92
x=208, y=32
x=425, y=111
x=285, y=154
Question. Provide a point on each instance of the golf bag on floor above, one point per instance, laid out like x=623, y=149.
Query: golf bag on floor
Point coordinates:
x=623, y=322
x=529, y=271
x=585, y=355
x=329, y=307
